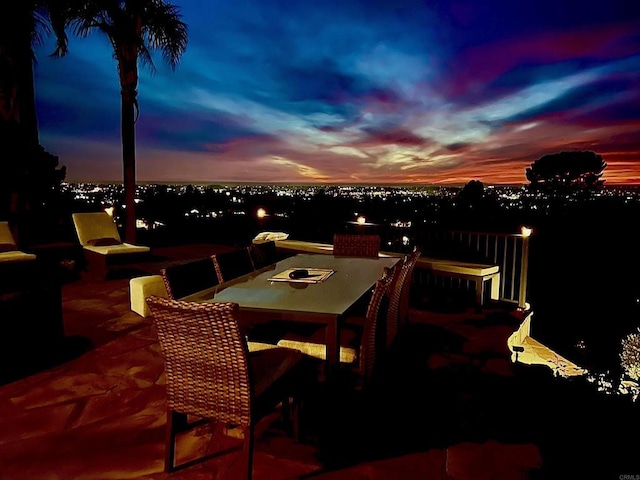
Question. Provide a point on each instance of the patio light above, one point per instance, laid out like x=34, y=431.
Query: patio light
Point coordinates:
x=261, y=213
x=526, y=231
x=361, y=220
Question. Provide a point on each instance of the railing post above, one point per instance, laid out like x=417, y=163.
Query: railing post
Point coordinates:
x=524, y=267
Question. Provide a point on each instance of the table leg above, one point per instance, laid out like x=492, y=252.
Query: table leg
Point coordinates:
x=332, y=342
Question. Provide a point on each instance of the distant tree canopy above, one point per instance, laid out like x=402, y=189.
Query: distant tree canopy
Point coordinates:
x=472, y=193
x=30, y=175
x=567, y=171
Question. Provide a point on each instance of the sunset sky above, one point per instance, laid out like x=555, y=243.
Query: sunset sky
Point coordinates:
x=345, y=91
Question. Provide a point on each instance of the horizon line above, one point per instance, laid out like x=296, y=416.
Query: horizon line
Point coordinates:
x=316, y=184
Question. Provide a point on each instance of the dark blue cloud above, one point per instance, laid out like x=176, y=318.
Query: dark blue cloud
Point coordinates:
x=371, y=82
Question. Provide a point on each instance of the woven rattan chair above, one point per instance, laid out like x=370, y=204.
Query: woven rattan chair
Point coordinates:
x=184, y=279
x=263, y=254
x=190, y=277
x=351, y=245
x=360, y=352
x=210, y=374
x=400, y=287
x=230, y=265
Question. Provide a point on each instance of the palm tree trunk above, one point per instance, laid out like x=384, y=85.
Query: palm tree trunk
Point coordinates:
x=19, y=126
x=27, y=97
x=129, y=163
x=128, y=72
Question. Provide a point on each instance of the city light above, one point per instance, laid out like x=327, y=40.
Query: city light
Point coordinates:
x=361, y=220
x=261, y=213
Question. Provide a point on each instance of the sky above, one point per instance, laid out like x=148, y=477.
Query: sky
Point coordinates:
x=358, y=91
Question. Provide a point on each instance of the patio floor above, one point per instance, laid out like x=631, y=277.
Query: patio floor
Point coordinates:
x=450, y=405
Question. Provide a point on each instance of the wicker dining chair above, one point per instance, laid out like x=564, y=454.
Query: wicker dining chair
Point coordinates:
x=400, y=288
x=189, y=277
x=263, y=254
x=210, y=374
x=359, y=352
x=184, y=279
x=352, y=245
x=232, y=264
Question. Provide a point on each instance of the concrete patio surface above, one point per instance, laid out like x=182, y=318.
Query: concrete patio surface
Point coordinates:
x=449, y=404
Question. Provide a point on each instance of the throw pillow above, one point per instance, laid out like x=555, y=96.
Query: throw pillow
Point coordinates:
x=103, y=242
x=7, y=247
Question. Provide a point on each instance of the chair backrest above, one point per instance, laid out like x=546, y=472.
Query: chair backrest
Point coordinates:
x=92, y=226
x=187, y=278
x=232, y=264
x=403, y=310
x=400, y=287
x=263, y=254
x=6, y=237
x=352, y=245
x=206, y=359
x=371, y=344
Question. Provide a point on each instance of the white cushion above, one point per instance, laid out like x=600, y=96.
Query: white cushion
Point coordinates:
x=5, y=234
x=6, y=237
x=94, y=225
x=117, y=249
x=319, y=350
x=257, y=346
x=140, y=288
x=16, y=256
x=263, y=237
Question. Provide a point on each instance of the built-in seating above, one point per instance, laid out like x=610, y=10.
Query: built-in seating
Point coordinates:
x=479, y=273
x=140, y=288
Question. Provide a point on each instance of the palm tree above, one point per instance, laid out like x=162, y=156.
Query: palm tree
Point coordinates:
x=134, y=28
x=28, y=171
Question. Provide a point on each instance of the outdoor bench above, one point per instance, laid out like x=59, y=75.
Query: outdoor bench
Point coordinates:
x=476, y=272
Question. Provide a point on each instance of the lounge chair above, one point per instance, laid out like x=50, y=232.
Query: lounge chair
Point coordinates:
x=101, y=243
x=9, y=251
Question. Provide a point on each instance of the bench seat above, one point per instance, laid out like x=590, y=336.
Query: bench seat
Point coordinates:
x=476, y=272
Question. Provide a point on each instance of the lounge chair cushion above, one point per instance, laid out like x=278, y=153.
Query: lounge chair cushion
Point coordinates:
x=103, y=242
x=117, y=249
x=94, y=225
x=314, y=346
x=7, y=247
x=16, y=256
x=8, y=250
x=98, y=233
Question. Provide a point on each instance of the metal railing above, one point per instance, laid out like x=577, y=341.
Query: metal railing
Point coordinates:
x=510, y=251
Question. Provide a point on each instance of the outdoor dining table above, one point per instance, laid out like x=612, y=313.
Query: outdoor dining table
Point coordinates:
x=325, y=302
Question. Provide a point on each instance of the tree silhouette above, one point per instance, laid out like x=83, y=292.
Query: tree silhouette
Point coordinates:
x=472, y=193
x=567, y=171
x=135, y=28
x=29, y=172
